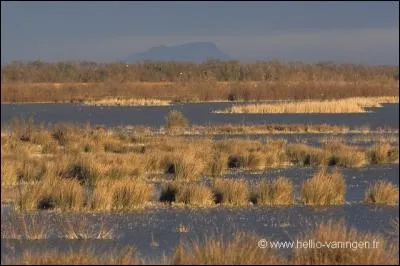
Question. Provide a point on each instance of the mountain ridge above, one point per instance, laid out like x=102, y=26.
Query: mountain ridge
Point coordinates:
x=192, y=52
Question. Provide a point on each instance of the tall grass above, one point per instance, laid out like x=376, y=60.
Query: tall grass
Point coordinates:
x=347, y=105
x=121, y=195
x=324, y=188
x=278, y=191
x=191, y=194
x=382, y=192
x=52, y=193
x=231, y=192
x=185, y=166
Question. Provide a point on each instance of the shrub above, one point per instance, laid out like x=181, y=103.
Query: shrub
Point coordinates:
x=324, y=189
x=234, y=192
x=382, y=192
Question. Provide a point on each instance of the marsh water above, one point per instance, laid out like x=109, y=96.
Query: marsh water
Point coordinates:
x=154, y=231
x=197, y=113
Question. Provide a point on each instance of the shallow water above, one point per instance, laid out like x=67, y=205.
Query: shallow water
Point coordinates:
x=159, y=225
x=197, y=113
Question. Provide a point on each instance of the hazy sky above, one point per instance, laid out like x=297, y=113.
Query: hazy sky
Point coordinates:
x=358, y=32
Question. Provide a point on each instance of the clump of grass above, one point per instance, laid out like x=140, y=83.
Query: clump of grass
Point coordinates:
x=121, y=194
x=273, y=192
x=52, y=193
x=382, y=192
x=191, y=194
x=241, y=250
x=176, y=122
x=195, y=194
x=346, y=251
x=382, y=152
x=345, y=156
x=324, y=188
x=232, y=192
x=303, y=155
x=83, y=256
x=184, y=166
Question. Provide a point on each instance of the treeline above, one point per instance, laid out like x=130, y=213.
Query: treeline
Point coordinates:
x=211, y=70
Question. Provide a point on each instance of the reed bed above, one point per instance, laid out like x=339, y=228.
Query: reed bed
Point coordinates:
x=126, y=102
x=348, y=105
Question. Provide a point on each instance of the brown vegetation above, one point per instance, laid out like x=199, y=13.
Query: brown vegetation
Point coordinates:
x=213, y=80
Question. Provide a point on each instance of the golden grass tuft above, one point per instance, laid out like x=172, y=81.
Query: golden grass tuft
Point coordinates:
x=176, y=122
x=273, y=192
x=191, y=194
x=121, y=194
x=324, y=189
x=185, y=166
x=52, y=193
x=382, y=192
x=231, y=192
x=345, y=251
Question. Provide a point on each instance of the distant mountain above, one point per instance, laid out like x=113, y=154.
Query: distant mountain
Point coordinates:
x=192, y=52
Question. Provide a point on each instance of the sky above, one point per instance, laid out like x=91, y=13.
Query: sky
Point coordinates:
x=351, y=32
